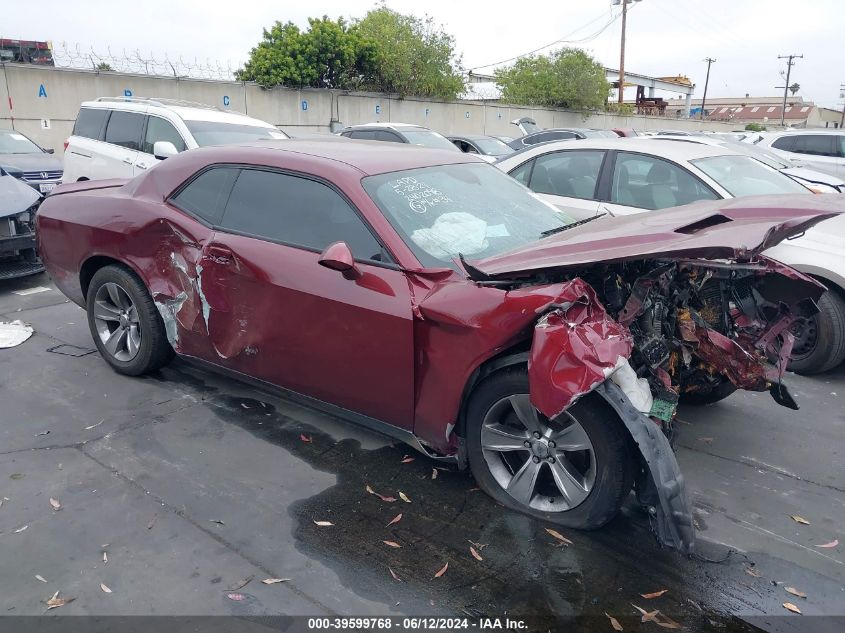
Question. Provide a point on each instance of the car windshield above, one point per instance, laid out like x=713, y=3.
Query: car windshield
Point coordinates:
x=14, y=143
x=765, y=156
x=427, y=138
x=220, y=133
x=492, y=146
x=473, y=209
x=744, y=176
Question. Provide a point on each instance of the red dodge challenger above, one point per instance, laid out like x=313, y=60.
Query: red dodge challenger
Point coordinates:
x=426, y=294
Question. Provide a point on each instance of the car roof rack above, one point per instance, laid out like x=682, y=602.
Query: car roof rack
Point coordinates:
x=162, y=102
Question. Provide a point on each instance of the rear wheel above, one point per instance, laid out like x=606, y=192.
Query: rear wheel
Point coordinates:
x=124, y=322
x=572, y=470
x=820, y=339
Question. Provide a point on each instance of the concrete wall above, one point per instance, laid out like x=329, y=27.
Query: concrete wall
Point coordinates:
x=42, y=97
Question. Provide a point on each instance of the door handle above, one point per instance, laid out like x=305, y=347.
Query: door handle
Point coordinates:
x=221, y=254
x=141, y=165
x=127, y=160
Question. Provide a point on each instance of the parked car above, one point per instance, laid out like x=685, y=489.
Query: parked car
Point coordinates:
x=22, y=158
x=121, y=137
x=18, y=204
x=534, y=134
x=487, y=147
x=630, y=176
x=821, y=149
x=816, y=181
x=398, y=133
x=625, y=132
x=428, y=288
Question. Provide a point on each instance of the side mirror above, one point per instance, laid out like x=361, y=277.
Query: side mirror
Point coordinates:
x=164, y=149
x=50, y=150
x=338, y=257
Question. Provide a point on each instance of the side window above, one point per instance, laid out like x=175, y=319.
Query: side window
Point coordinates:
x=840, y=146
x=386, y=135
x=573, y=174
x=124, y=129
x=550, y=136
x=523, y=172
x=89, y=123
x=159, y=129
x=786, y=143
x=206, y=195
x=649, y=182
x=363, y=135
x=816, y=144
x=297, y=211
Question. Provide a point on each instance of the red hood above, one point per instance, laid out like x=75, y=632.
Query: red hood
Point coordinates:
x=734, y=229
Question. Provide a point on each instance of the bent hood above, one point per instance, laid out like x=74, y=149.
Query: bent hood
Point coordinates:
x=736, y=229
x=15, y=195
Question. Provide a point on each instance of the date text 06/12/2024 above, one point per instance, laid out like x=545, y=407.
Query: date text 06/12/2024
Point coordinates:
x=423, y=623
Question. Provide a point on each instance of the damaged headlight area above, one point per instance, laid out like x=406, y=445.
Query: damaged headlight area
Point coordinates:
x=18, y=206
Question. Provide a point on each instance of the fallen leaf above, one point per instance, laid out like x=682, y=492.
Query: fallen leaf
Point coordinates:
x=21, y=529
x=55, y=602
x=40, y=577
x=152, y=522
x=648, y=616
x=237, y=597
x=243, y=582
x=475, y=554
x=395, y=519
x=395, y=576
x=217, y=521
x=434, y=473
x=614, y=623
x=408, y=459
x=791, y=607
x=795, y=592
x=55, y=503
x=323, y=523
x=478, y=546
x=559, y=536
x=305, y=438
x=706, y=440
x=799, y=519
x=391, y=543
x=16, y=476
x=656, y=594
x=369, y=489
x=274, y=581
x=666, y=622
x=752, y=572
x=42, y=433
x=442, y=571
x=833, y=543
x=104, y=588
x=404, y=497
x=94, y=426
x=105, y=558
x=380, y=496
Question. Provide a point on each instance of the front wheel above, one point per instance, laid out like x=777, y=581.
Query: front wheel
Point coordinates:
x=126, y=326
x=820, y=339
x=573, y=470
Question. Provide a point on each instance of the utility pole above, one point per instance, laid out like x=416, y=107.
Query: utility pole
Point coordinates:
x=789, y=65
x=622, y=54
x=706, y=81
x=841, y=95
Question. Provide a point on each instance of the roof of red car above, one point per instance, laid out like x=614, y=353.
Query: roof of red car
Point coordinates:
x=369, y=157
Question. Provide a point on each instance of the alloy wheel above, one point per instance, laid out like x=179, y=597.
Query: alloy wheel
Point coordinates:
x=116, y=321
x=548, y=465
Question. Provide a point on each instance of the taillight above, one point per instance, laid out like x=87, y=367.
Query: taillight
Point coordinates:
x=65, y=144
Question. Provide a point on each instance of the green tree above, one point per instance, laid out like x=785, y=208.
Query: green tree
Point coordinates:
x=104, y=66
x=795, y=88
x=329, y=54
x=568, y=78
x=755, y=127
x=413, y=56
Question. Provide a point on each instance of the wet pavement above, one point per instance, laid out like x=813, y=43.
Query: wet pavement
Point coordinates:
x=192, y=484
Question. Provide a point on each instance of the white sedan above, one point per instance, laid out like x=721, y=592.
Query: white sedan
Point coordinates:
x=589, y=177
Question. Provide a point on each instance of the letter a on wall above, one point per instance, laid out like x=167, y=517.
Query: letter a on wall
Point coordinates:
x=41, y=91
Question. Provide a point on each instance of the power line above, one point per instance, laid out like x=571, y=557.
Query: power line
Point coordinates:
x=563, y=40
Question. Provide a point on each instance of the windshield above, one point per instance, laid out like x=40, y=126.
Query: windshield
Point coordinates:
x=14, y=143
x=744, y=176
x=492, y=146
x=220, y=133
x=427, y=138
x=765, y=156
x=469, y=209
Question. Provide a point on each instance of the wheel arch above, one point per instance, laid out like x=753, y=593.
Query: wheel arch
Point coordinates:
x=94, y=263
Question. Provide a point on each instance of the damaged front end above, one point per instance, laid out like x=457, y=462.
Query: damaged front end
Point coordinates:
x=18, y=205
x=647, y=334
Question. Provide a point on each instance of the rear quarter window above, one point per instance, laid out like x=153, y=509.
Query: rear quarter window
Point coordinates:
x=89, y=123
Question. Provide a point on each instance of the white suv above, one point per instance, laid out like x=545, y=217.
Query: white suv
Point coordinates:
x=121, y=137
x=820, y=149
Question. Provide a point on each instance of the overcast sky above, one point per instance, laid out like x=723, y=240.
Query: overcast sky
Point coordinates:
x=665, y=37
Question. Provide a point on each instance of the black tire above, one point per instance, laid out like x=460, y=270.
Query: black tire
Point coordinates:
x=826, y=349
x=154, y=350
x=609, y=439
x=717, y=393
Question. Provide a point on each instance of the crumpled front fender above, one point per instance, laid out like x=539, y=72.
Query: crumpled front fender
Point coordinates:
x=576, y=346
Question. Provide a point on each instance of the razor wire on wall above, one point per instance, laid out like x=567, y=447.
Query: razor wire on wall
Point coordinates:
x=75, y=56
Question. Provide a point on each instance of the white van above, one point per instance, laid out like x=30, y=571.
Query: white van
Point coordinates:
x=121, y=137
x=821, y=149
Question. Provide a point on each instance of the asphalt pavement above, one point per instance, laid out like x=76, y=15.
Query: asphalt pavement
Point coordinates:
x=180, y=492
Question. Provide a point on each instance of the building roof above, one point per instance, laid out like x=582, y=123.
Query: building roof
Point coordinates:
x=758, y=112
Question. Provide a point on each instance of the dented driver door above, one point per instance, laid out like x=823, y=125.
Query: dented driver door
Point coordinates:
x=275, y=314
